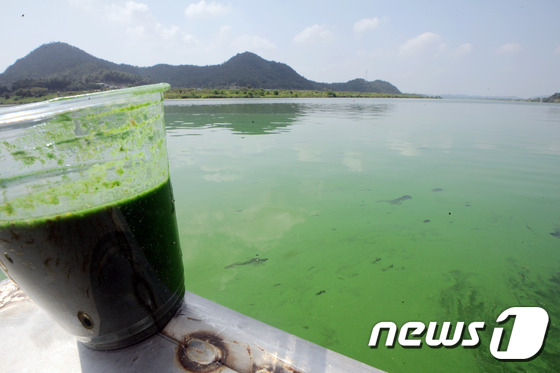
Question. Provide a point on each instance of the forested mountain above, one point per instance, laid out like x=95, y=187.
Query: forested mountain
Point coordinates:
x=62, y=67
x=554, y=98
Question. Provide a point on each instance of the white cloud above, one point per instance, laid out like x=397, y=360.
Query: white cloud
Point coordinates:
x=188, y=39
x=129, y=12
x=167, y=32
x=225, y=30
x=142, y=27
x=464, y=49
x=136, y=31
x=366, y=24
x=509, y=48
x=312, y=34
x=423, y=43
x=252, y=43
x=207, y=9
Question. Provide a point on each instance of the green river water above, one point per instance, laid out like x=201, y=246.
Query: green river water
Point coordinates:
x=285, y=214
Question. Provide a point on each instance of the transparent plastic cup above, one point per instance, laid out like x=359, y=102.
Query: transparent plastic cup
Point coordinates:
x=87, y=218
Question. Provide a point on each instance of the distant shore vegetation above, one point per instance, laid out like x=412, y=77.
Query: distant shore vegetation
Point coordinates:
x=185, y=93
x=35, y=94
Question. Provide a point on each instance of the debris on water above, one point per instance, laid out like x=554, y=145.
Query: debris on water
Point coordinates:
x=426, y=221
x=467, y=204
x=397, y=201
x=255, y=260
x=321, y=292
x=386, y=268
x=437, y=190
x=376, y=260
x=556, y=233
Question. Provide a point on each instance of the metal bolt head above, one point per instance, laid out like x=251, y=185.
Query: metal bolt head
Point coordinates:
x=202, y=352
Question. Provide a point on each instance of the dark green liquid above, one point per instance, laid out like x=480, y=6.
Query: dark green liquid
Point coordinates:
x=111, y=276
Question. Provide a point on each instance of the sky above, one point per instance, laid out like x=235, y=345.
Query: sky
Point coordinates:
x=489, y=48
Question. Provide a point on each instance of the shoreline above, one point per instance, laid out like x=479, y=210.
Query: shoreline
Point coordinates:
x=209, y=93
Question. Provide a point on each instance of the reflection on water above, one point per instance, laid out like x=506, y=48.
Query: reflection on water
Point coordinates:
x=260, y=117
x=372, y=210
x=241, y=119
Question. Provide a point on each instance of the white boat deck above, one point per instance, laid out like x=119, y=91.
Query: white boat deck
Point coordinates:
x=203, y=336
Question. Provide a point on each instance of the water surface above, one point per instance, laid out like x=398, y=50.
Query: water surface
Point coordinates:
x=296, y=212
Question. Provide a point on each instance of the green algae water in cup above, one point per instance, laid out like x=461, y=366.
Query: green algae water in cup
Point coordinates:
x=87, y=217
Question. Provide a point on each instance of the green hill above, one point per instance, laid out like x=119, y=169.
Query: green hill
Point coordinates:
x=554, y=98
x=61, y=67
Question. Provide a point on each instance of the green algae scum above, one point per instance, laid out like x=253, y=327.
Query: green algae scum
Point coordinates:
x=87, y=217
x=324, y=217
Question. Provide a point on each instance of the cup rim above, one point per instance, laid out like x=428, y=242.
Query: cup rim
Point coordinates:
x=39, y=110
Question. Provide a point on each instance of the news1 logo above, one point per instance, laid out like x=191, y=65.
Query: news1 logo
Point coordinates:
x=526, y=340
